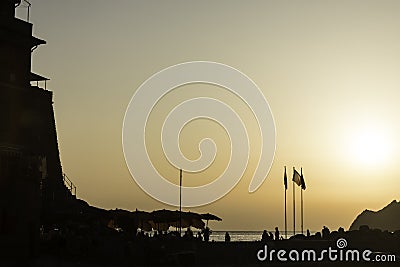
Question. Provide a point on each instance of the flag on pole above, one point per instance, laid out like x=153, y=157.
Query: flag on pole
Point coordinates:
x=303, y=183
x=285, y=179
x=296, y=177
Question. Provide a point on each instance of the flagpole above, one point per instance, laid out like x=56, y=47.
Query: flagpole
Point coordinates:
x=180, y=202
x=285, y=183
x=294, y=206
x=301, y=190
x=285, y=217
x=301, y=210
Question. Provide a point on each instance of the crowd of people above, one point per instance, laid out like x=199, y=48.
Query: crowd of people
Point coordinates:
x=202, y=235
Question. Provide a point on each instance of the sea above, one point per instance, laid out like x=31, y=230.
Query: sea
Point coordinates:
x=239, y=236
x=219, y=236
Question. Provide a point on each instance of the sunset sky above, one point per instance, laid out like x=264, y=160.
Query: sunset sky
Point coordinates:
x=328, y=69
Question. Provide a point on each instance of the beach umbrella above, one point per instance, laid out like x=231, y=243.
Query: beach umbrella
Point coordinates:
x=208, y=216
x=124, y=219
x=159, y=226
x=142, y=219
x=192, y=219
x=165, y=216
x=162, y=219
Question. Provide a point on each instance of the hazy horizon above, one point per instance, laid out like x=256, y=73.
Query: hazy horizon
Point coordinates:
x=329, y=71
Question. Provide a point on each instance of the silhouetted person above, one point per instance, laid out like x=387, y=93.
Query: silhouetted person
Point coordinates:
x=264, y=236
x=271, y=236
x=140, y=234
x=308, y=233
x=325, y=232
x=227, y=237
x=188, y=234
x=341, y=230
x=206, y=234
x=318, y=236
x=276, y=233
x=199, y=237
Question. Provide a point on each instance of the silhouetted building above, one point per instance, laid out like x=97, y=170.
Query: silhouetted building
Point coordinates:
x=30, y=171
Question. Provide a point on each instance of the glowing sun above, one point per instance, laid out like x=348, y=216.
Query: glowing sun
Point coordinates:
x=370, y=147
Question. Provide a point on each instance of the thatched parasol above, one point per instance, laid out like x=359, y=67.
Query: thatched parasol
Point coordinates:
x=208, y=216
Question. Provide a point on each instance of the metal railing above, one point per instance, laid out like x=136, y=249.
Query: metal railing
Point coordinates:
x=68, y=183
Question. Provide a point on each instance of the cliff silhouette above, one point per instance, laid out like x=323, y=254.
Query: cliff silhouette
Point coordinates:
x=387, y=218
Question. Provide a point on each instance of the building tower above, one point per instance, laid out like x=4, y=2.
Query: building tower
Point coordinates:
x=31, y=179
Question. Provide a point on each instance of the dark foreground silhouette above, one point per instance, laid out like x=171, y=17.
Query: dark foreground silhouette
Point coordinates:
x=91, y=243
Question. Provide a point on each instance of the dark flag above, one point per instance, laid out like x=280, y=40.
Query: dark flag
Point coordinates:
x=285, y=179
x=296, y=177
x=303, y=183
